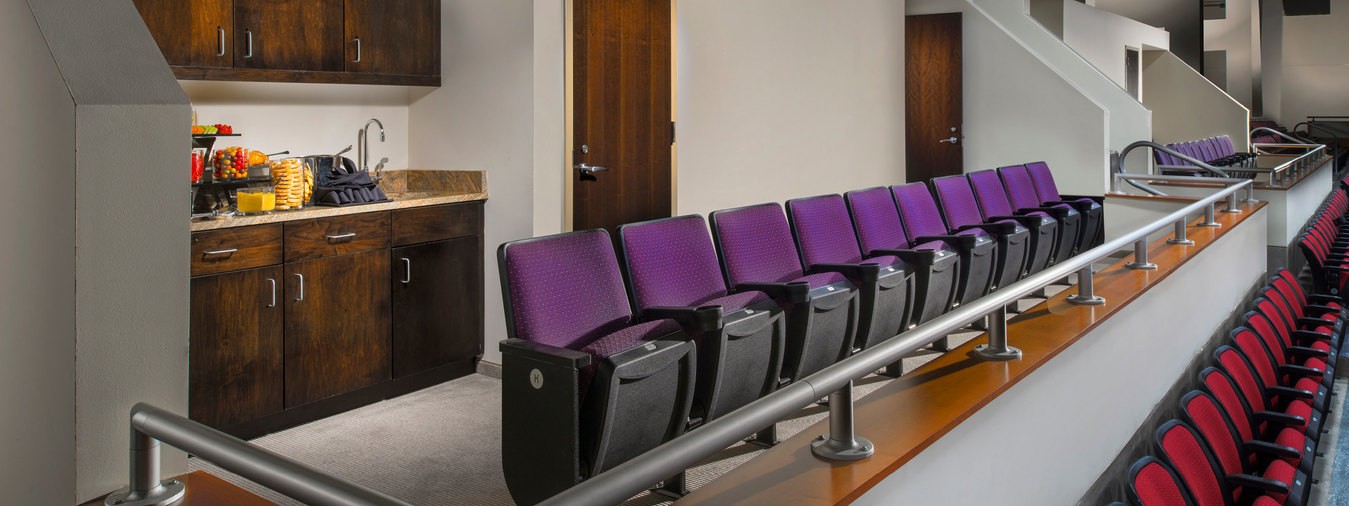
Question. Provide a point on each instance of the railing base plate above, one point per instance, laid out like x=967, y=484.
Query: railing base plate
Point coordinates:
x=829, y=449
x=170, y=492
x=1086, y=301
x=985, y=352
x=1185, y=242
x=1141, y=267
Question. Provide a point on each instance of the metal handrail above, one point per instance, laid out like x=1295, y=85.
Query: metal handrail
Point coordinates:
x=1280, y=134
x=1119, y=162
x=151, y=425
x=634, y=476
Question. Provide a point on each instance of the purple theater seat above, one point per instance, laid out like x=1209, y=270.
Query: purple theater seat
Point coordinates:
x=584, y=386
x=996, y=206
x=926, y=228
x=673, y=273
x=1091, y=231
x=880, y=233
x=961, y=209
x=757, y=253
x=1021, y=192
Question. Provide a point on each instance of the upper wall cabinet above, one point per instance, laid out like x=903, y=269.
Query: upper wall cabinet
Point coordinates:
x=394, y=42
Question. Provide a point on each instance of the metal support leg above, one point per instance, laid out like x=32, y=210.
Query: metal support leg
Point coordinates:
x=1086, y=292
x=841, y=443
x=766, y=438
x=1232, y=204
x=1180, y=237
x=146, y=489
x=1141, y=256
x=674, y=487
x=1208, y=217
x=997, y=348
x=1250, y=194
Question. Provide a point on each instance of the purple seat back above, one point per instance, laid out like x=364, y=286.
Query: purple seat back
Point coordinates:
x=918, y=210
x=823, y=230
x=957, y=201
x=545, y=275
x=992, y=196
x=671, y=262
x=1044, y=182
x=877, y=219
x=1209, y=150
x=1019, y=187
x=756, y=244
x=1225, y=146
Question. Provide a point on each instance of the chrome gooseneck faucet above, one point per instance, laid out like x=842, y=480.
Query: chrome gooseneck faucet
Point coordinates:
x=363, y=144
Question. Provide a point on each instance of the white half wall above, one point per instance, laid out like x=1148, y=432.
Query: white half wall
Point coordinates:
x=1019, y=442
x=1186, y=106
x=1125, y=214
x=1101, y=37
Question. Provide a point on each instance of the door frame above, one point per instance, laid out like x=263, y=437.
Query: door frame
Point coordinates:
x=568, y=115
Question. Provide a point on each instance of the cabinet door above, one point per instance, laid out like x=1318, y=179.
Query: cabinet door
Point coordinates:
x=196, y=33
x=437, y=304
x=337, y=325
x=235, y=349
x=393, y=37
x=288, y=34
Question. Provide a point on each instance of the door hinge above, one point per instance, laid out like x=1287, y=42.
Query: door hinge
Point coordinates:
x=672, y=132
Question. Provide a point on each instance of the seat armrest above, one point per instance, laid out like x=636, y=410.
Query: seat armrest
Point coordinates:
x=1030, y=222
x=910, y=256
x=1322, y=309
x=1074, y=198
x=1307, y=352
x=700, y=319
x=960, y=242
x=992, y=228
x=796, y=292
x=1311, y=335
x=1322, y=299
x=1301, y=371
x=546, y=353
x=1309, y=321
x=1271, y=449
x=1284, y=419
x=1289, y=392
x=1258, y=483
x=867, y=273
x=1057, y=212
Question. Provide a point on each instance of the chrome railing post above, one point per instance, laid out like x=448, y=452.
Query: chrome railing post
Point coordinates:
x=841, y=443
x=1250, y=193
x=1232, y=204
x=1086, y=291
x=145, y=488
x=997, y=348
x=1141, y=256
x=1208, y=217
x=1180, y=237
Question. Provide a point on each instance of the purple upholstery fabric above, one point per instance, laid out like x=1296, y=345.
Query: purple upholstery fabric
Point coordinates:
x=919, y=210
x=672, y=262
x=957, y=201
x=1209, y=151
x=821, y=279
x=930, y=245
x=992, y=196
x=735, y=301
x=877, y=219
x=620, y=341
x=824, y=230
x=883, y=261
x=1225, y=146
x=1019, y=187
x=1044, y=183
x=757, y=245
x=545, y=276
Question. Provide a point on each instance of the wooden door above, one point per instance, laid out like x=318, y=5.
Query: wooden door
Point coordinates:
x=337, y=325
x=400, y=37
x=437, y=304
x=933, y=93
x=288, y=34
x=196, y=33
x=621, y=119
x=235, y=349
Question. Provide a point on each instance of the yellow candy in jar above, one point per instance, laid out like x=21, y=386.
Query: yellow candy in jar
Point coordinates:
x=256, y=200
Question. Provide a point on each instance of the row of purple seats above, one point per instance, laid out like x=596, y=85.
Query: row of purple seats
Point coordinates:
x=1216, y=151
x=1249, y=434
x=612, y=353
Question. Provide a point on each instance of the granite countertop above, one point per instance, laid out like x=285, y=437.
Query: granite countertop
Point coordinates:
x=405, y=188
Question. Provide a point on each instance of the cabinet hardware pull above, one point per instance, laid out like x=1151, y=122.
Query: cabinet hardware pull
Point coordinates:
x=222, y=41
x=249, y=49
x=357, y=40
x=341, y=237
x=219, y=252
x=300, y=296
x=407, y=278
x=273, y=282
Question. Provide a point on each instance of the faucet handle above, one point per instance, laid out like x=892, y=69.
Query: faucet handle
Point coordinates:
x=380, y=167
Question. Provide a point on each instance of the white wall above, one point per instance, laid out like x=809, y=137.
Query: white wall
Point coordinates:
x=1315, y=65
x=307, y=119
x=786, y=98
x=1019, y=449
x=37, y=268
x=1271, y=58
x=482, y=118
x=550, y=120
x=1186, y=106
x=1101, y=36
x=1239, y=36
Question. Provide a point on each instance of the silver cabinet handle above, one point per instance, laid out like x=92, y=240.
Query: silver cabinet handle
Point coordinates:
x=220, y=252
x=407, y=278
x=586, y=168
x=357, y=40
x=222, y=41
x=248, y=50
x=952, y=140
x=341, y=237
x=273, y=282
x=300, y=296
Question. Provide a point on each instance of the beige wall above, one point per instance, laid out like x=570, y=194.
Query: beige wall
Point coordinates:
x=37, y=268
x=786, y=98
x=1188, y=107
x=1239, y=36
x=1315, y=65
x=1271, y=60
x=1100, y=37
x=550, y=120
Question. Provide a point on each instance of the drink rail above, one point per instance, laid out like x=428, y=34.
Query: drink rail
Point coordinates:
x=634, y=476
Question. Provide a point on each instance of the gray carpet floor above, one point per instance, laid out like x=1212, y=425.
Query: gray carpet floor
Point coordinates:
x=439, y=446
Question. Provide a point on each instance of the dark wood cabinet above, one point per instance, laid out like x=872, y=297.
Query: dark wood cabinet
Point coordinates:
x=437, y=304
x=301, y=35
x=337, y=325
x=395, y=37
x=195, y=33
x=235, y=369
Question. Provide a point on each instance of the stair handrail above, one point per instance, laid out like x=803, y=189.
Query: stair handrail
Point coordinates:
x=1294, y=140
x=151, y=426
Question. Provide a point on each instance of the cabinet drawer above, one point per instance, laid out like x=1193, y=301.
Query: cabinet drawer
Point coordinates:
x=339, y=235
x=436, y=223
x=235, y=249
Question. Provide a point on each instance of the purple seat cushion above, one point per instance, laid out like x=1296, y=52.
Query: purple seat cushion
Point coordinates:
x=821, y=279
x=957, y=201
x=918, y=210
x=735, y=301
x=993, y=199
x=1020, y=190
x=977, y=232
x=672, y=262
x=619, y=341
x=757, y=244
x=877, y=219
x=932, y=245
x=545, y=276
x=884, y=261
x=824, y=230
